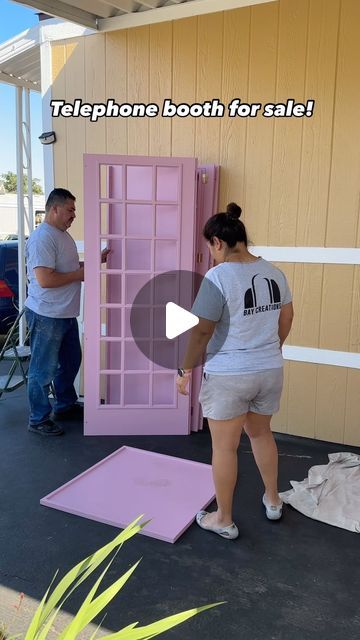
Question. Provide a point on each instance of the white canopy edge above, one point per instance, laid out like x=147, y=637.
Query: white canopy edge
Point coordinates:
x=126, y=14
x=174, y=12
x=20, y=56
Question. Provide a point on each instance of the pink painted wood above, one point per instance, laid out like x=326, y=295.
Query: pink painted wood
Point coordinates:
x=144, y=209
x=131, y=482
x=207, y=205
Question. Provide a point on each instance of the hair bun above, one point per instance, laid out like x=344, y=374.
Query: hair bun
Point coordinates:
x=233, y=211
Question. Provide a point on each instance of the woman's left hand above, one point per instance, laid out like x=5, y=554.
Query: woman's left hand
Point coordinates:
x=182, y=383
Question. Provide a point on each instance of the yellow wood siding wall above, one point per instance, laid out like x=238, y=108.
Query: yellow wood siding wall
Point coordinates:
x=297, y=179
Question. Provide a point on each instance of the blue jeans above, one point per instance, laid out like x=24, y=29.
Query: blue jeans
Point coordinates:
x=55, y=357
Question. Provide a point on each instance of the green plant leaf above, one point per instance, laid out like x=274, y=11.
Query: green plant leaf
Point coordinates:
x=90, y=608
x=154, y=629
x=84, y=568
x=35, y=623
x=49, y=606
x=130, y=626
x=42, y=635
x=98, y=629
x=71, y=630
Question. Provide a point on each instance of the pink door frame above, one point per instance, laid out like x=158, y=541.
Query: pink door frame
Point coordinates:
x=144, y=181
x=206, y=206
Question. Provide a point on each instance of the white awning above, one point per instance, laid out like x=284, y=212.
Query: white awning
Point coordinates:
x=20, y=60
x=110, y=15
x=20, y=57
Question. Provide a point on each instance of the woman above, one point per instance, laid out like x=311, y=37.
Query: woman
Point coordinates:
x=245, y=314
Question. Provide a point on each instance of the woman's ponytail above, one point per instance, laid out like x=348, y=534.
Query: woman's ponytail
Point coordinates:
x=226, y=226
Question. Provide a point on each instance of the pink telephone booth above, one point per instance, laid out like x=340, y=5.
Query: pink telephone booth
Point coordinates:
x=149, y=211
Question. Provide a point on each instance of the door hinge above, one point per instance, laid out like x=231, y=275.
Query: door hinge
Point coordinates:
x=204, y=178
x=199, y=257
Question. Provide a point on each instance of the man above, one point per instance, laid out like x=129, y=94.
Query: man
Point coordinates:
x=52, y=306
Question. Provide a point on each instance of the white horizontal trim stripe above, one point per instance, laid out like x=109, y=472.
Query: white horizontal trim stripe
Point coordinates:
x=80, y=245
x=322, y=356
x=305, y=354
x=315, y=255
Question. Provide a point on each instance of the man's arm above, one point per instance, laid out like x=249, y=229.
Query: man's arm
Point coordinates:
x=50, y=279
x=104, y=254
x=285, y=322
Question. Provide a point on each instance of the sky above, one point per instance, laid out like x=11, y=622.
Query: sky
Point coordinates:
x=14, y=19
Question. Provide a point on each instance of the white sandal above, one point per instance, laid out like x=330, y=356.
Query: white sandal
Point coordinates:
x=273, y=511
x=230, y=533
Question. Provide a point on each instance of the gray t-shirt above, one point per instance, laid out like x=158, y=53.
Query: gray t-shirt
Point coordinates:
x=245, y=303
x=50, y=247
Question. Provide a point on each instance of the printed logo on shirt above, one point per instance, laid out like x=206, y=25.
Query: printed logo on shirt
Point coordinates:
x=254, y=297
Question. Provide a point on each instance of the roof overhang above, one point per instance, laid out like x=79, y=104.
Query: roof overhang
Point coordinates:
x=20, y=57
x=112, y=15
x=20, y=60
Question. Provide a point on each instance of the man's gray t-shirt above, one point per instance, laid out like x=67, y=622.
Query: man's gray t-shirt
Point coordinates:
x=245, y=304
x=55, y=249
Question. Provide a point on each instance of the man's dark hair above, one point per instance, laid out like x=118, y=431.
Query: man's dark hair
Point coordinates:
x=58, y=197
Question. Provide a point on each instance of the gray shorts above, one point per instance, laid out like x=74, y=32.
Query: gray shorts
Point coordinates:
x=225, y=397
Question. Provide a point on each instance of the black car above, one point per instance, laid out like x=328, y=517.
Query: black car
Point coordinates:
x=9, y=284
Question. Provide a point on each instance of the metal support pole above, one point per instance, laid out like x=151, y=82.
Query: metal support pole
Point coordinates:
x=20, y=207
x=27, y=148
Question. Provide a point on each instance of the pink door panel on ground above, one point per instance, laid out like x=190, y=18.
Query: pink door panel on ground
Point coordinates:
x=144, y=210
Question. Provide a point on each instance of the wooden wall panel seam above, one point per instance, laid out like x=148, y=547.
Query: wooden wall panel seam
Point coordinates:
x=274, y=124
x=247, y=123
x=106, y=91
x=172, y=81
x=333, y=121
x=302, y=123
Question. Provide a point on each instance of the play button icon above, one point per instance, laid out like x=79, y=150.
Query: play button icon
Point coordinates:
x=160, y=310
x=178, y=320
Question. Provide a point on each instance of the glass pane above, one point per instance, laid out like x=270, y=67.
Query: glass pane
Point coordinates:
x=167, y=184
x=134, y=358
x=137, y=325
x=165, y=351
x=138, y=255
x=164, y=389
x=165, y=288
x=139, y=183
x=139, y=220
x=111, y=323
x=110, y=389
x=110, y=355
x=115, y=218
x=111, y=288
x=167, y=223
x=111, y=219
x=115, y=181
x=159, y=322
x=166, y=255
x=114, y=259
x=136, y=389
x=133, y=285
x=104, y=181
x=104, y=219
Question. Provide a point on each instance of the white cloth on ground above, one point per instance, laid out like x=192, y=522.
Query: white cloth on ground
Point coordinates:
x=330, y=493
